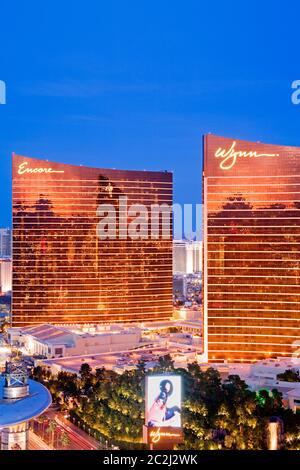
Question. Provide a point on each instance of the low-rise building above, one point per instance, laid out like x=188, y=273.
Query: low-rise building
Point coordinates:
x=294, y=399
x=5, y=276
x=269, y=369
x=264, y=375
x=52, y=341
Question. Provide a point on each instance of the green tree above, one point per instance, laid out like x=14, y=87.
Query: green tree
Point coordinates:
x=86, y=377
x=64, y=439
x=165, y=363
x=85, y=372
x=51, y=430
x=216, y=413
x=289, y=376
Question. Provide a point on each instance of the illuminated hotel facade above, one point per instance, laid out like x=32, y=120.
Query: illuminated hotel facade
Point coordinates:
x=63, y=273
x=251, y=195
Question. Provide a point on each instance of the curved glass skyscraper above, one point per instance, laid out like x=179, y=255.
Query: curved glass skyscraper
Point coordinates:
x=251, y=249
x=62, y=271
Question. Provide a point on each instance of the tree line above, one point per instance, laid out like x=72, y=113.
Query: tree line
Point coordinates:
x=216, y=413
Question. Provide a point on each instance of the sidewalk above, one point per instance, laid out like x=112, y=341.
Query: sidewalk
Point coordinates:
x=36, y=442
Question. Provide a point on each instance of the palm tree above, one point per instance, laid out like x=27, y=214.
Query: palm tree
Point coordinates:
x=42, y=419
x=64, y=440
x=51, y=430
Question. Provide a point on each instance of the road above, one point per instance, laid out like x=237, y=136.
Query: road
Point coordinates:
x=36, y=443
x=79, y=439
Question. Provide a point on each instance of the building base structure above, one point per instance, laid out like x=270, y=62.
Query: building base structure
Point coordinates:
x=21, y=400
x=15, y=437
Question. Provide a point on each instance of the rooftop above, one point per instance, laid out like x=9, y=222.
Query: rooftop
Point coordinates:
x=295, y=393
x=24, y=409
x=50, y=334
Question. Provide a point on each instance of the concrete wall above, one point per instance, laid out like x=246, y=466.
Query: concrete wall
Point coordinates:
x=104, y=343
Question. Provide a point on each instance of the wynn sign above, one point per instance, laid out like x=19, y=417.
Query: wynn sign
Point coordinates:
x=229, y=156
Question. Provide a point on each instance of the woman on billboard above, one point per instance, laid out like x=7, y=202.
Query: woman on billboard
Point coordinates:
x=159, y=413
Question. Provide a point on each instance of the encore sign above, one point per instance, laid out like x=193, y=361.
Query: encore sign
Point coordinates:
x=24, y=169
x=230, y=156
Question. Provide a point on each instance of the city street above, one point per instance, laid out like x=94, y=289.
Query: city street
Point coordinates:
x=78, y=438
x=36, y=443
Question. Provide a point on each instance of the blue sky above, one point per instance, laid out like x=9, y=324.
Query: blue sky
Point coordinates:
x=135, y=84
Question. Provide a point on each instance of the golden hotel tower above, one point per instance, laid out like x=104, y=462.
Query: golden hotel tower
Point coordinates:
x=62, y=272
x=251, y=195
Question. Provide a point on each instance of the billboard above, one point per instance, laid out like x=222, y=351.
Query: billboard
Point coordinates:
x=163, y=401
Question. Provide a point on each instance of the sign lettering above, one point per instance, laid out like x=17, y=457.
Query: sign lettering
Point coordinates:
x=24, y=169
x=229, y=157
x=156, y=435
